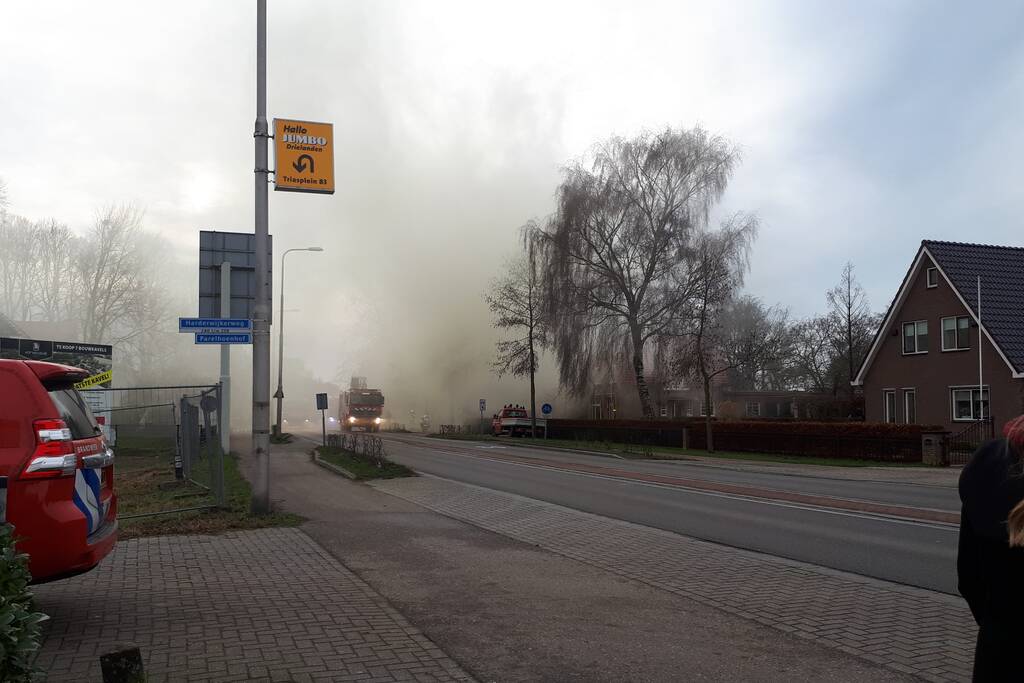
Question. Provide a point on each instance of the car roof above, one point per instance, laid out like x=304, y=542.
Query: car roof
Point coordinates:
x=51, y=371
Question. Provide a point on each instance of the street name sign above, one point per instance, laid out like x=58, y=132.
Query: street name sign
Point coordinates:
x=228, y=338
x=214, y=325
x=303, y=156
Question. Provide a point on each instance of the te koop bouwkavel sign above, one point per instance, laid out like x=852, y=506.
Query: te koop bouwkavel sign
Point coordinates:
x=304, y=155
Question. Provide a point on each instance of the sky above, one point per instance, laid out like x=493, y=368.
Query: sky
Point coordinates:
x=864, y=128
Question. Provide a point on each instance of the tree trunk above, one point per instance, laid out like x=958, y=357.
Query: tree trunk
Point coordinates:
x=708, y=431
x=638, y=368
x=533, y=389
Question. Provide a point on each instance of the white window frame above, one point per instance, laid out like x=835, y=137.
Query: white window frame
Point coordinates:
x=985, y=395
x=757, y=409
x=917, y=336
x=931, y=278
x=956, y=330
x=704, y=408
x=664, y=410
x=886, y=417
x=909, y=392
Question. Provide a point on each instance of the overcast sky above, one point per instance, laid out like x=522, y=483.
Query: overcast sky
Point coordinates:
x=865, y=127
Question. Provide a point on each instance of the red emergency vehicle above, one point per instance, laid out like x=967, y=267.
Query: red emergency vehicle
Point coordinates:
x=56, y=468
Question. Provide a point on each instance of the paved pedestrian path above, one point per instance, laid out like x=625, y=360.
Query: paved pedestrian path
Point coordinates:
x=906, y=629
x=265, y=605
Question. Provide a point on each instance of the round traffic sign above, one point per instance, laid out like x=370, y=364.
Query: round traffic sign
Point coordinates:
x=546, y=409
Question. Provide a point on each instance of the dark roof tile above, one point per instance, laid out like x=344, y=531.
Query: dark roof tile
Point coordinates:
x=1002, y=288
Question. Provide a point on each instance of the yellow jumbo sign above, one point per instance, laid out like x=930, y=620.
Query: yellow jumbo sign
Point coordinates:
x=102, y=378
x=304, y=156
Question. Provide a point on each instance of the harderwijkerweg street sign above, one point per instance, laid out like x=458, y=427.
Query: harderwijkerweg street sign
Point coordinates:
x=303, y=156
x=214, y=325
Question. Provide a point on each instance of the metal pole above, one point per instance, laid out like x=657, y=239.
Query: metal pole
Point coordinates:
x=261, y=322
x=279, y=394
x=323, y=425
x=224, y=418
x=981, y=376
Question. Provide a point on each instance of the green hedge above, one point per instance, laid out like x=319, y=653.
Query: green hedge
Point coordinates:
x=20, y=626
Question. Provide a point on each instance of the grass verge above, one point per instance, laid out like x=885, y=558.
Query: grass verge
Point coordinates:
x=144, y=481
x=361, y=467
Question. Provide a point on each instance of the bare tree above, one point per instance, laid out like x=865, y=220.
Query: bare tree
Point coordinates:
x=55, y=279
x=813, y=354
x=18, y=259
x=769, y=371
x=516, y=303
x=720, y=339
x=110, y=271
x=616, y=252
x=852, y=321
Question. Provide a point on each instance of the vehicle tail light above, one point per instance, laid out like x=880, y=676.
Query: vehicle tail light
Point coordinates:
x=54, y=455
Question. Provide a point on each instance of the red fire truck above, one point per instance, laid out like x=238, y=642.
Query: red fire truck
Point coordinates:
x=514, y=420
x=361, y=407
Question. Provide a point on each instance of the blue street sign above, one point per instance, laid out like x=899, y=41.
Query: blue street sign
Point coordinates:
x=214, y=325
x=229, y=338
x=546, y=409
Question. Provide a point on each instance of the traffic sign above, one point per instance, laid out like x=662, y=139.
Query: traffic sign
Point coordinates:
x=321, y=401
x=214, y=325
x=546, y=409
x=303, y=156
x=483, y=404
x=229, y=338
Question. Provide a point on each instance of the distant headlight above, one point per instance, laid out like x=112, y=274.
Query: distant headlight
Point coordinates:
x=330, y=419
x=376, y=421
x=352, y=419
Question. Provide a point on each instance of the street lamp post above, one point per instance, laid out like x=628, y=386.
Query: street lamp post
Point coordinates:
x=279, y=394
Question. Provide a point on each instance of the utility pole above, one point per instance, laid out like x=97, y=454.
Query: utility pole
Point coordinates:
x=261, y=321
x=981, y=373
x=225, y=361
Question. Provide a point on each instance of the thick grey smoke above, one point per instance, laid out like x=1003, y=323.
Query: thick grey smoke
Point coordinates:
x=451, y=122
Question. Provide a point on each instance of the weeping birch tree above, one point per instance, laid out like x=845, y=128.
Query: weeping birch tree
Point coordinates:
x=618, y=252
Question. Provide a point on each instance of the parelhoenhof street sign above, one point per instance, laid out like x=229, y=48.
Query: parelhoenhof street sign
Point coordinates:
x=303, y=156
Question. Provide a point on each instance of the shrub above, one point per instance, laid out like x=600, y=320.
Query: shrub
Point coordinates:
x=20, y=626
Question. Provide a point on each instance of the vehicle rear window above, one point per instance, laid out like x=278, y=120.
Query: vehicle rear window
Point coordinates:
x=75, y=413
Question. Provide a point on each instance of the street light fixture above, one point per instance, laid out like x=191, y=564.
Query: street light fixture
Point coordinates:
x=279, y=394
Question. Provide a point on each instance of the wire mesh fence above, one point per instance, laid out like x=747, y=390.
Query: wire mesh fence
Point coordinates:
x=166, y=439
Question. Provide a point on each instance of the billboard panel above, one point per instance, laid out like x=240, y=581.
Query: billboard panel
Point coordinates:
x=96, y=358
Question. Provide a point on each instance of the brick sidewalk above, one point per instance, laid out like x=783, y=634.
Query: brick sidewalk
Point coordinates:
x=907, y=629
x=249, y=605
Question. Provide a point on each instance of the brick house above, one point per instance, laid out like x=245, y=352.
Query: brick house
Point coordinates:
x=923, y=365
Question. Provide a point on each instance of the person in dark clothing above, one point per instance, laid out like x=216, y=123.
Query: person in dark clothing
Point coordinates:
x=990, y=560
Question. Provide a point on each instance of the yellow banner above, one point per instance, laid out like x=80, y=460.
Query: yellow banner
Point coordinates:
x=304, y=156
x=102, y=378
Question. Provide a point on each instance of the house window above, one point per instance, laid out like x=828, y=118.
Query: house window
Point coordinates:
x=910, y=406
x=932, y=275
x=889, y=402
x=969, y=404
x=704, y=409
x=753, y=409
x=956, y=333
x=915, y=337
x=664, y=411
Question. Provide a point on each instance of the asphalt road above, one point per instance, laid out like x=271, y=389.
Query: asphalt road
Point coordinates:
x=916, y=553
